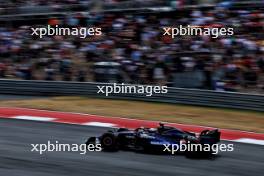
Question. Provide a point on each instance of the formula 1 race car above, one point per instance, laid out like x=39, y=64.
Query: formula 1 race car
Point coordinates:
x=153, y=139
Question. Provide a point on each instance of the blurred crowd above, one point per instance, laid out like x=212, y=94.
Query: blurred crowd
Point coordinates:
x=14, y=7
x=233, y=63
x=17, y=3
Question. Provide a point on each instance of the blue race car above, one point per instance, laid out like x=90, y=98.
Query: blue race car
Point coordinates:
x=153, y=139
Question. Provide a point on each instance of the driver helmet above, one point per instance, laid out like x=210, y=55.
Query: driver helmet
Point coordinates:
x=152, y=130
x=141, y=129
x=161, y=124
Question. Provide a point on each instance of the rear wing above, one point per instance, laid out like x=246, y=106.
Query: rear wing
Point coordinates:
x=210, y=136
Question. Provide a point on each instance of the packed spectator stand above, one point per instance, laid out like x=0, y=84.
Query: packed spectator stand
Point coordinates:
x=135, y=41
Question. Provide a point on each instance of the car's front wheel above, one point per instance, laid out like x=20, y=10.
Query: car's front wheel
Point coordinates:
x=109, y=142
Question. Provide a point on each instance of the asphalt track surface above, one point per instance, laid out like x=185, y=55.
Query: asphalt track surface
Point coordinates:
x=16, y=158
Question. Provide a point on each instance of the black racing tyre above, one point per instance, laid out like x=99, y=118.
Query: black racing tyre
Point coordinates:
x=109, y=142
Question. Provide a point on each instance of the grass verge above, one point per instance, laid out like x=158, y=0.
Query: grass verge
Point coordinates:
x=215, y=117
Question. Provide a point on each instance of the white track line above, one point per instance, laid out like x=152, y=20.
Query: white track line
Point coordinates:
x=35, y=118
x=99, y=124
x=250, y=141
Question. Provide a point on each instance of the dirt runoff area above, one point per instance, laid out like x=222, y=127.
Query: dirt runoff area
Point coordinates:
x=196, y=115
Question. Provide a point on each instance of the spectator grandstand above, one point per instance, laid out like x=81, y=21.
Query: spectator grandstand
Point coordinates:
x=135, y=41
